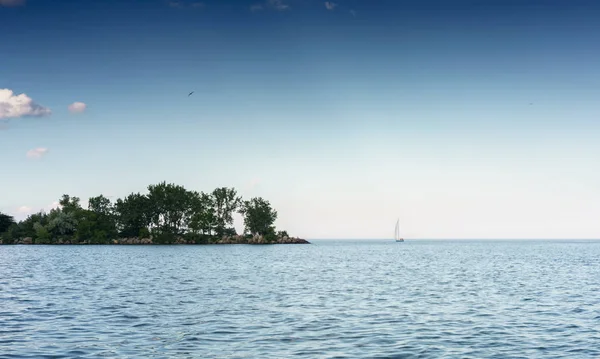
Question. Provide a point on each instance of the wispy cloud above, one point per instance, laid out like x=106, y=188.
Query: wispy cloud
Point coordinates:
x=37, y=153
x=15, y=106
x=330, y=5
x=52, y=206
x=184, y=4
x=77, y=107
x=278, y=5
x=24, y=209
x=11, y=3
x=353, y=13
x=255, y=182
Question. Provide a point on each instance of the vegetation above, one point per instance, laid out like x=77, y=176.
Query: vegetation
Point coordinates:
x=167, y=214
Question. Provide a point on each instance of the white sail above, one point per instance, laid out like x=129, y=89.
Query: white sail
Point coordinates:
x=397, y=237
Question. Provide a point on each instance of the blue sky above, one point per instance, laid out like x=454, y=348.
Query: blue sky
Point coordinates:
x=465, y=119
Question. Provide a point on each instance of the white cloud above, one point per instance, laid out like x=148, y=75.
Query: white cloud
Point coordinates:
x=37, y=152
x=15, y=106
x=181, y=4
x=9, y=3
x=254, y=183
x=330, y=5
x=53, y=205
x=274, y=4
x=24, y=209
x=77, y=107
x=278, y=4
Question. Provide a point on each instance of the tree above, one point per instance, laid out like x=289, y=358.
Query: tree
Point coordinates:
x=167, y=212
x=225, y=203
x=28, y=225
x=62, y=223
x=201, y=218
x=97, y=224
x=132, y=214
x=101, y=205
x=12, y=234
x=69, y=204
x=42, y=236
x=5, y=222
x=259, y=217
x=170, y=207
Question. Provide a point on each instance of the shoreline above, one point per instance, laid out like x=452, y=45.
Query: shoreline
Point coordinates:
x=253, y=240
x=166, y=214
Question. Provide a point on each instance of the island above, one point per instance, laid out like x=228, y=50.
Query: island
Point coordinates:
x=166, y=214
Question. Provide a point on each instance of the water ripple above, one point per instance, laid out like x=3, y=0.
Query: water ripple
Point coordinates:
x=344, y=299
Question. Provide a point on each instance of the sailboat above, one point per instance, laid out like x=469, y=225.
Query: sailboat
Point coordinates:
x=397, y=232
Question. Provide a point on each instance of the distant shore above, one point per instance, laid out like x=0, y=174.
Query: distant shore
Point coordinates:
x=258, y=239
x=166, y=214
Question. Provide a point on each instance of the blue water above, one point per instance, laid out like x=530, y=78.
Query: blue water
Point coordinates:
x=332, y=299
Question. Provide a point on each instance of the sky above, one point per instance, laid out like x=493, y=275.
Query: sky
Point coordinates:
x=464, y=119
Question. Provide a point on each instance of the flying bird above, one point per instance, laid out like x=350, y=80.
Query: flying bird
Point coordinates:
x=190, y=94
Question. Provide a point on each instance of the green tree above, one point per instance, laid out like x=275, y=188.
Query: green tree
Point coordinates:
x=167, y=211
x=132, y=214
x=5, y=222
x=97, y=224
x=259, y=216
x=201, y=217
x=12, y=234
x=100, y=205
x=225, y=203
x=69, y=204
x=42, y=235
x=62, y=223
x=27, y=226
x=170, y=207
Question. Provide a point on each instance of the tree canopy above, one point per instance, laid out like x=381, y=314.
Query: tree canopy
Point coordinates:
x=259, y=217
x=165, y=213
x=5, y=222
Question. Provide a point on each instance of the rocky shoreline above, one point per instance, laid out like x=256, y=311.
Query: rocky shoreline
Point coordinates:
x=149, y=241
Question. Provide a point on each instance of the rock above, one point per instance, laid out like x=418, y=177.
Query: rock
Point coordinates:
x=292, y=240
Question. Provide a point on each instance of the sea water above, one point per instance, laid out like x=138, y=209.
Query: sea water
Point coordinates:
x=330, y=299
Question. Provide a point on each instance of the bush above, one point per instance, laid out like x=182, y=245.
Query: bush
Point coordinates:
x=12, y=234
x=42, y=236
x=164, y=238
x=144, y=233
x=271, y=236
x=197, y=238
